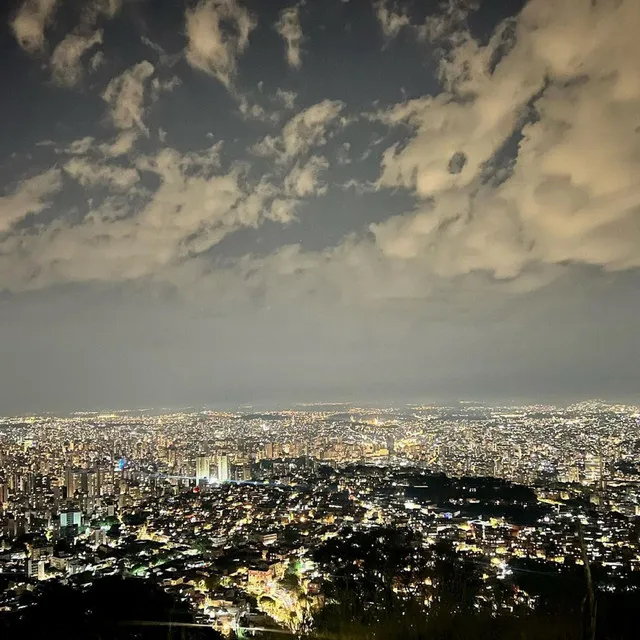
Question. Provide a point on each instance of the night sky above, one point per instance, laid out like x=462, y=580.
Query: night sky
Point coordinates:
x=233, y=202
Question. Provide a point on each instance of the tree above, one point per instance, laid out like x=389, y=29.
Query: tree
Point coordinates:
x=111, y=609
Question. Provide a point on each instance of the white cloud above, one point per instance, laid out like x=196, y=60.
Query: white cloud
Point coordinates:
x=290, y=30
x=34, y=16
x=305, y=130
x=358, y=186
x=447, y=21
x=282, y=210
x=90, y=174
x=153, y=45
x=450, y=16
x=125, y=96
x=343, y=154
x=557, y=89
x=158, y=86
x=217, y=33
x=254, y=111
x=66, y=61
x=121, y=145
x=570, y=195
x=31, y=196
x=392, y=19
x=287, y=98
x=306, y=179
x=97, y=60
x=572, y=192
x=30, y=23
x=116, y=242
x=80, y=146
x=195, y=206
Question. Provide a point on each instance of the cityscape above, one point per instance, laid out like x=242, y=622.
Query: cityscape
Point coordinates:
x=319, y=319
x=246, y=516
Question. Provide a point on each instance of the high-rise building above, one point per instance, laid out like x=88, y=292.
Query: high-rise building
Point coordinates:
x=74, y=480
x=241, y=472
x=202, y=468
x=70, y=519
x=31, y=568
x=68, y=481
x=391, y=445
x=592, y=468
x=223, y=468
x=94, y=483
x=39, y=551
x=99, y=537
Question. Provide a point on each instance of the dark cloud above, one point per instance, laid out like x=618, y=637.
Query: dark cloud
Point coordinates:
x=457, y=162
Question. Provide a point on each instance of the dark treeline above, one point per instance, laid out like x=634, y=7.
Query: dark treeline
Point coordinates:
x=454, y=599
x=110, y=609
x=384, y=584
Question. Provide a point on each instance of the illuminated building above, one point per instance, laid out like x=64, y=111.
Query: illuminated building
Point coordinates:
x=70, y=519
x=202, y=468
x=223, y=468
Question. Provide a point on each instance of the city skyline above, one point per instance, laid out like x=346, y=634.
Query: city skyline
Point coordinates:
x=337, y=407
x=278, y=520
x=260, y=521
x=227, y=202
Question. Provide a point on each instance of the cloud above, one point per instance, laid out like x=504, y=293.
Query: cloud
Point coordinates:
x=290, y=30
x=305, y=179
x=282, y=210
x=159, y=86
x=91, y=174
x=30, y=23
x=122, y=145
x=447, y=22
x=118, y=240
x=66, y=64
x=80, y=146
x=217, y=33
x=523, y=168
x=34, y=16
x=97, y=60
x=557, y=78
x=135, y=233
x=125, y=96
x=153, y=45
x=358, y=186
x=287, y=98
x=30, y=196
x=305, y=130
x=254, y=111
x=392, y=20
x=450, y=17
x=93, y=11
